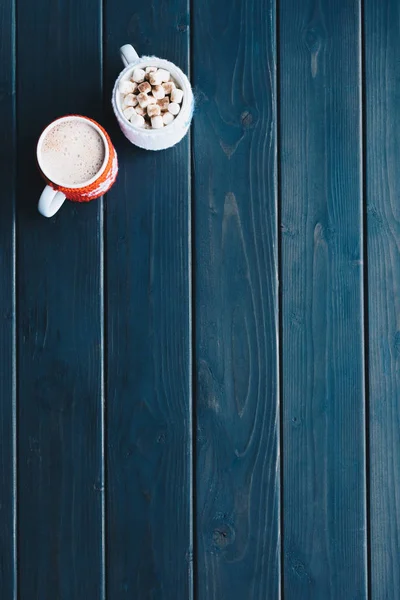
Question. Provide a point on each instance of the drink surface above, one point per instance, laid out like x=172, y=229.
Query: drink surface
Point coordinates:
x=72, y=153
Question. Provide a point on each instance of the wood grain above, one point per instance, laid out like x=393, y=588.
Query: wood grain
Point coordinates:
x=324, y=482
x=382, y=110
x=236, y=315
x=60, y=463
x=149, y=541
x=7, y=303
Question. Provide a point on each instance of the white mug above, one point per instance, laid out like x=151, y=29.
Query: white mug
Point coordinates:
x=153, y=139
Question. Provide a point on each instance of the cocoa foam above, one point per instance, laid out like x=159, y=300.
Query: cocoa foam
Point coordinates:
x=72, y=152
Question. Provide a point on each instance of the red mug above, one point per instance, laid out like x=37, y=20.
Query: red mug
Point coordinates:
x=63, y=151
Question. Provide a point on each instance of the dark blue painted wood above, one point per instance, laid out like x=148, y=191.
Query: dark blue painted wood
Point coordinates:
x=382, y=110
x=59, y=318
x=7, y=301
x=61, y=383
x=324, y=505
x=149, y=537
x=236, y=313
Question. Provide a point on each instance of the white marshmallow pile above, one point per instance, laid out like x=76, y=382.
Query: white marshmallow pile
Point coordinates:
x=150, y=98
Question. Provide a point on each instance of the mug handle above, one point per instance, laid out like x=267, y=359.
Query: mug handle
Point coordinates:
x=128, y=54
x=50, y=201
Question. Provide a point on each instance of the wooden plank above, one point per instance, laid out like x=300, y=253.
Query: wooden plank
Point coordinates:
x=235, y=198
x=59, y=318
x=382, y=110
x=149, y=543
x=324, y=482
x=7, y=302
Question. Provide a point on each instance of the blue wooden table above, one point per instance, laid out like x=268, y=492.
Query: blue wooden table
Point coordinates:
x=200, y=372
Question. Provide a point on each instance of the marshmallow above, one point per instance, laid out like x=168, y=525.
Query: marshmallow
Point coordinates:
x=126, y=87
x=153, y=110
x=158, y=92
x=167, y=118
x=152, y=100
x=149, y=70
x=157, y=122
x=156, y=78
x=168, y=87
x=174, y=108
x=143, y=99
x=130, y=100
x=144, y=87
x=176, y=96
x=135, y=85
x=137, y=120
x=163, y=103
x=165, y=75
x=140, y=111
x=138, y=75
x=128, y=112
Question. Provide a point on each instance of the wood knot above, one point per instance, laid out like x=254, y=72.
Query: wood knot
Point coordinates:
x=298, y=568
x=182, y=26
x=288, y=231
x=323, y=234
x=161, y=438
x=296, y=319
x=374, y=214
x=246, y=119
x=223, y=536
x=312, y=40
x=313, y=43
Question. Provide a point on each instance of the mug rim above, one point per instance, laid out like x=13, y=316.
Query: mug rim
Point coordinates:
x=176, y=72
x=65, y=119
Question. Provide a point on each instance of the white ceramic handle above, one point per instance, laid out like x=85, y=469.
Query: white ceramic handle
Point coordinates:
x=50, y=201
x=128, y=54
